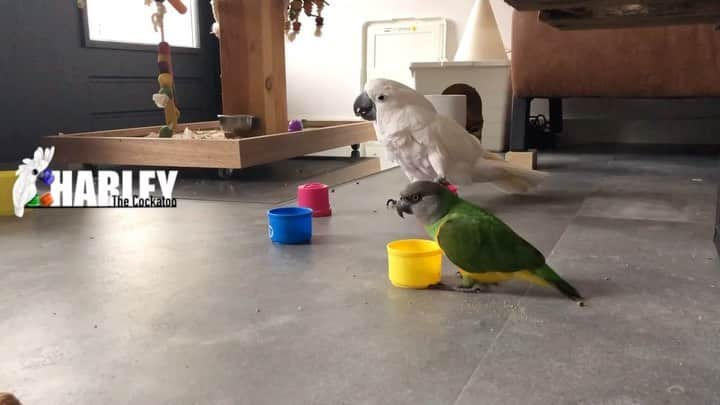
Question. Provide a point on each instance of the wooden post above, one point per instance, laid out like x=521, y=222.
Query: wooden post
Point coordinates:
x=252, y=61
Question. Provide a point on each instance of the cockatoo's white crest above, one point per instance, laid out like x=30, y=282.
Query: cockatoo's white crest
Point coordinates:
x=24, y=189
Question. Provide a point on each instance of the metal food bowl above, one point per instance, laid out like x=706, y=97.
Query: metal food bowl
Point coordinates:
x=237, y=125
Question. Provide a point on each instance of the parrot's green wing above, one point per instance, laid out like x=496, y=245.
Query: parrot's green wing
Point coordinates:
x=482, y=243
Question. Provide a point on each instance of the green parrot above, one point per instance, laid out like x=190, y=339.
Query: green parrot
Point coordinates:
x=485, y=249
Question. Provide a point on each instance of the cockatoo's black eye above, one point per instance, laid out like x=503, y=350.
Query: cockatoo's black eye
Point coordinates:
x=415, y=197
x=35, y=172
x=381, y=97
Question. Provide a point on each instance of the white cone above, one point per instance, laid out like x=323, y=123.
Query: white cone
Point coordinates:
x=481, y=39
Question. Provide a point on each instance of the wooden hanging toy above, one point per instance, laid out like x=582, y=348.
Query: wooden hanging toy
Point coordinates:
x=295, y=8
x=166, y=97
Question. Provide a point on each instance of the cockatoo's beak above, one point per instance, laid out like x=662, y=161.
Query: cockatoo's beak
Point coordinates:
x=364, y=107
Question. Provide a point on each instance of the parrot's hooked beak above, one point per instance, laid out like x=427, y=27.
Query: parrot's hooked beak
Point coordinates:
x=364, y=107
x=402, y=206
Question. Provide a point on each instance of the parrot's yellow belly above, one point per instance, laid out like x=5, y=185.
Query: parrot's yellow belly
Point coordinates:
x=499, y=277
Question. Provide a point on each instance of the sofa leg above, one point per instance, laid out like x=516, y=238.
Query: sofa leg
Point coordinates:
x=556, y=115
x=519, y=123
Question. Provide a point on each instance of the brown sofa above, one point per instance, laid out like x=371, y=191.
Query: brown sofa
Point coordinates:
x=670, y=62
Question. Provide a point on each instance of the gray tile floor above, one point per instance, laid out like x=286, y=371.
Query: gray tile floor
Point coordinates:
x=194, y=306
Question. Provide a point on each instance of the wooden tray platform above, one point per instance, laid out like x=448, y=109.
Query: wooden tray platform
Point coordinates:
x=133, y=146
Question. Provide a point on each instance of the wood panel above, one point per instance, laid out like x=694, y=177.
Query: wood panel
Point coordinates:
x=145, y=151
x=252, y=58
x=605, y=14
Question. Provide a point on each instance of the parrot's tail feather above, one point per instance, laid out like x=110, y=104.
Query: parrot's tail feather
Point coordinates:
x=549, y=275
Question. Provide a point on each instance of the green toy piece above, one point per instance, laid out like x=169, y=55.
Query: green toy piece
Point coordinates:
x=35, y=202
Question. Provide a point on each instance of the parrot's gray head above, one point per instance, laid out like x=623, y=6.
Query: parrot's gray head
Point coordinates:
x=427, y=200
x=382, y=95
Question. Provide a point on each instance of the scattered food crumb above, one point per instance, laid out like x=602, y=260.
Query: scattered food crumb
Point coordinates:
x=257, y=309
x=700, y=318
x=54, y=313
x=697, y=180
x=299, y=307
x=92, y=237
x=357, y=182
x=354, y=275
x=366, y=302
x=95, y=326
x=186, y=366
x=332, y=190
x=374, y=211
x=581, y=303
x=607, y=278
x=676, y=389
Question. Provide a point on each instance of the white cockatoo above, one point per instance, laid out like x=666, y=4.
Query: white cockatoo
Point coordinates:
x=430, y=146
x=25, y=189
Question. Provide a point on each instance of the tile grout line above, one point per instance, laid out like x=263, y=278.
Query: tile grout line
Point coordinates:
x=522, y=296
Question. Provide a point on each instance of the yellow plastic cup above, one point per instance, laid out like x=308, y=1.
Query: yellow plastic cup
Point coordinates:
x=7, y=180
x=414, y=263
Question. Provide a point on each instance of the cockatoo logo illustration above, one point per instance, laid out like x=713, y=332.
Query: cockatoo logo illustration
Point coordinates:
x=25, y=188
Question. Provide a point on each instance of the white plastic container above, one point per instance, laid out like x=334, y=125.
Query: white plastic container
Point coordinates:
x=451, y=105
x=491, y=79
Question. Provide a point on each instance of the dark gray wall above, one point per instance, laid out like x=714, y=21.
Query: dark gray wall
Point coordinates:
x=50, y=82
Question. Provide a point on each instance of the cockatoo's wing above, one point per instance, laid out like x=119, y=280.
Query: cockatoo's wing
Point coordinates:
x=24, y=190
x=451, y=150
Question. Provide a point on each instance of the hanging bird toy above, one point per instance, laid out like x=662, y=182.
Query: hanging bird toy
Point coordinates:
x=165, y=98
x=295, y=8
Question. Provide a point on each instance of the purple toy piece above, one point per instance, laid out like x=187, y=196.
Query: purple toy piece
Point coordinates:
x=47, y=177
x=295, y=125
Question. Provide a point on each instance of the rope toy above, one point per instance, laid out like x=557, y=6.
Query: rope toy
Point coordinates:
x=165, y=98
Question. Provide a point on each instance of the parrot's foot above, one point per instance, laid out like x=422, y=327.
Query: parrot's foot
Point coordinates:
x=441, y=286
x=475, y=288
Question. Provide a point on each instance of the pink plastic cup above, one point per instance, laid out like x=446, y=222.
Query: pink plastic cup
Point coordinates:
x=315, y=196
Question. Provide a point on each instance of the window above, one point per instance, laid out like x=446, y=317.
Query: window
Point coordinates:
x=128, y=22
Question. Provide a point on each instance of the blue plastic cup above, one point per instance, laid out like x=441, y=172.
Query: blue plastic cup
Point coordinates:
x=290, y=225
